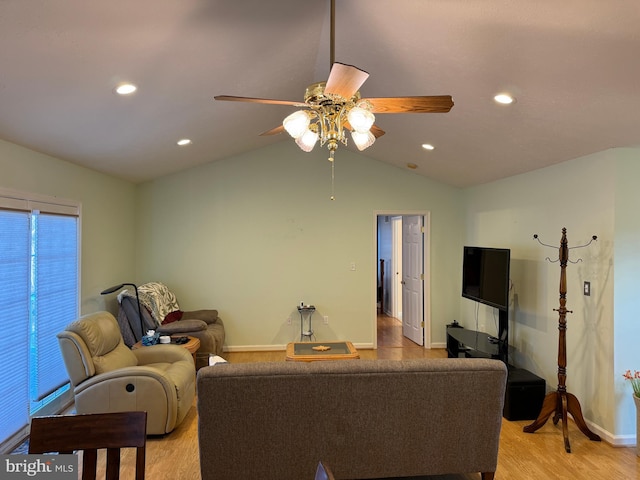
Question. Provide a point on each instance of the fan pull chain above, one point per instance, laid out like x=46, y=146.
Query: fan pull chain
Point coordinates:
x=333, y=163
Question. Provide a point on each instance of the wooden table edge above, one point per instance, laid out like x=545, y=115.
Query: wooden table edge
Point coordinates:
x=324, y=356
x=192, y=345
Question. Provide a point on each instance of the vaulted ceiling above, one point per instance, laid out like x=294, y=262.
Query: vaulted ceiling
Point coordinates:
x=573, y=66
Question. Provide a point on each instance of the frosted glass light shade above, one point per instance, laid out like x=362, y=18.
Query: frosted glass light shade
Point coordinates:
x=360, y=119
x=363, y=140
x=297, y=123
x=307, y=140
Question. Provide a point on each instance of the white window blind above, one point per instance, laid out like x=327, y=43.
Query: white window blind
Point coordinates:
x=39, y=294
x=55, y=264
x=14, y=299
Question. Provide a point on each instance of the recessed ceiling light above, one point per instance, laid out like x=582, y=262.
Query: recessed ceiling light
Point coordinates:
x=504, y=98
x=126, y=89
x=428, y=146
x=412, y=166
x=184, y=141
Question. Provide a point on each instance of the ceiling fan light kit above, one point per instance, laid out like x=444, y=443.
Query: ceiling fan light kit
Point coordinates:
x=297, y=123
x=308, y=139
x=361, y=119
x=328, y=116
x=335, y=106
x=363, y=140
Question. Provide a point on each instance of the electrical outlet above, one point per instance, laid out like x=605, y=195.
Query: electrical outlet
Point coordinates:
x=353, y=266
x=325, y=319
x=587, y=289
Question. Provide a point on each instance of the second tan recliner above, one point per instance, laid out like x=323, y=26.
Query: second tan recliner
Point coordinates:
x=106, y=376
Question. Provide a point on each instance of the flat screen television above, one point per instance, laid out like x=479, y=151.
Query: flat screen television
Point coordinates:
x=485, y=276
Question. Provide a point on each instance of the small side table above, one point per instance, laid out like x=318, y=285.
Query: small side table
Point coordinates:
x=192, y=345
x=306, y=311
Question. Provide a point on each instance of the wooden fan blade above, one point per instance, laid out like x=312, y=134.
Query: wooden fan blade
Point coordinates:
x=433, y=104
x=377, y=131
x=231, y=98
x=273, y=131
x=345, y=80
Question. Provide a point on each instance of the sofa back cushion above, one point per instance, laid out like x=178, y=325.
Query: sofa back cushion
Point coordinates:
x=365, y=418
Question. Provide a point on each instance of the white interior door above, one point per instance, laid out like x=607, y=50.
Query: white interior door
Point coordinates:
x=396, y=268
x=412, y=279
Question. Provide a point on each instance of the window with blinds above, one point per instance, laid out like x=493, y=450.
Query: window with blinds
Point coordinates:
x=39, y=295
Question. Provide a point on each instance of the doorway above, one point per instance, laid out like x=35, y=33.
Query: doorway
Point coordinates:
x=402, y=258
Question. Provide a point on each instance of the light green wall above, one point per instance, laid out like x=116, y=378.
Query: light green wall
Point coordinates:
x=627, y=298
x=592, y=195
x=108, y=216
x=255, y=234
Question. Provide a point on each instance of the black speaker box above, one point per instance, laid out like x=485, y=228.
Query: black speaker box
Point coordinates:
x=524, y=395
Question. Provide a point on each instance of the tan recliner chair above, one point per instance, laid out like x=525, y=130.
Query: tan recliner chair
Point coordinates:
x=108, y=377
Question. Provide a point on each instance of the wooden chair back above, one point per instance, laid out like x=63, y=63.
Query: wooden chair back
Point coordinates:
x=90, y=433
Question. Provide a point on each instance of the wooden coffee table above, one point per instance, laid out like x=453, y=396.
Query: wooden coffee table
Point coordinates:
x=192, y=345
x=316, y=351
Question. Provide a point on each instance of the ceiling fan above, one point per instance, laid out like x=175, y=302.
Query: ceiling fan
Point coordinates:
x=332, y=107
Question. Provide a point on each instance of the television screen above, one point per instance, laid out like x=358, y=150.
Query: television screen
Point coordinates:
x=485, y=276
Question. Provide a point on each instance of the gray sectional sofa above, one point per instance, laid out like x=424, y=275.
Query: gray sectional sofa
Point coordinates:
x=205, y=325
x=364, y=418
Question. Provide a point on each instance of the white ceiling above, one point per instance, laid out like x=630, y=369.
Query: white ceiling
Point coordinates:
x=573, y=65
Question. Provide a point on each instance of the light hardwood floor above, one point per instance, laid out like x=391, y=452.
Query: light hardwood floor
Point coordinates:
x=522, y=456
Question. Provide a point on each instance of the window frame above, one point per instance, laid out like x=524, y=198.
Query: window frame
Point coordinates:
x=29, y=202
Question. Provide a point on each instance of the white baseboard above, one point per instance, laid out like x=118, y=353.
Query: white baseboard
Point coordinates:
x=364, y=346
x=254, y=348
x=614, y=440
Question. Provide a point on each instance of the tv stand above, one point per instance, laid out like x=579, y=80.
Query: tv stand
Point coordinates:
x=480, y=344
x=462, y=342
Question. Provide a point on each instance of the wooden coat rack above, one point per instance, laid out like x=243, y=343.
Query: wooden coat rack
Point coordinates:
x=561, y=402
